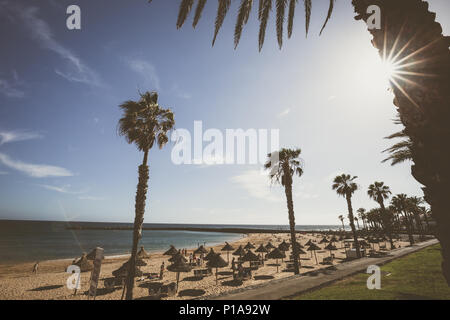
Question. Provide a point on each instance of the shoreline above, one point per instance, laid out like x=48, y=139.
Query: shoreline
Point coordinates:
x=18, y=282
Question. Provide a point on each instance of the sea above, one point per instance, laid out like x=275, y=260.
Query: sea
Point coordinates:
x=29, y=241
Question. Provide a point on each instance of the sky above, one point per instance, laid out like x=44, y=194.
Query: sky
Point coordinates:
x=62, y=159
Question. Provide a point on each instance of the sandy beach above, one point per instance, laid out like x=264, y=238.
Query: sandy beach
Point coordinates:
x=18, y=282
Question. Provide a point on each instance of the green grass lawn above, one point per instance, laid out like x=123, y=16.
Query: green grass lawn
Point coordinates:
x=415, y=276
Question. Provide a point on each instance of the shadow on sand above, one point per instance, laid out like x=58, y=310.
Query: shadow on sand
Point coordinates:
x=191, y=293
x=44, y=288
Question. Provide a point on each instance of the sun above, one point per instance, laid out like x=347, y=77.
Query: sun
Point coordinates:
x=388, y=69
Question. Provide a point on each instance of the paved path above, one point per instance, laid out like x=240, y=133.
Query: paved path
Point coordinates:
x=278, y=289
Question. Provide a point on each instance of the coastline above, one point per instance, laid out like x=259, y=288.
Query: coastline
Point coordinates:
x=18, y=282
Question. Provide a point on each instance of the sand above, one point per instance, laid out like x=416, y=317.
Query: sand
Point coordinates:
x=18, y=282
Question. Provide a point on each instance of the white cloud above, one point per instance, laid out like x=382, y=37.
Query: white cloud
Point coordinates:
x=10, y=89
x=146, y=70
x=284, y=113
x=76, y=70
x=257, y=185
x=34, y=170
x=13, y=136
x=62, y=189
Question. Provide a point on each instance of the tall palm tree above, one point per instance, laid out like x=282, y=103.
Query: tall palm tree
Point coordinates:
x=283, y=166
x=341, y=217
x=346, y=187
x=400, y=204
x=145, y=124
x=379, y=192
x=410, y=39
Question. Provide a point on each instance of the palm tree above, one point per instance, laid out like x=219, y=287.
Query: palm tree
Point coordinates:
x=400, y=202
x=362, y=216
x=357, y=222
x=414, y=205
x=283, y=165
x=345, y=187
x=409, y=38
x=341, y=217
x=144, y=123
x=379, y=192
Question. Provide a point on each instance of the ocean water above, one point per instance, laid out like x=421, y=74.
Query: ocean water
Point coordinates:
x=27, y=241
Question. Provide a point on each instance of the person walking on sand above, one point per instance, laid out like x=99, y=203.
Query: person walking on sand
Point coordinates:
x=161, y=272
x=35, y=267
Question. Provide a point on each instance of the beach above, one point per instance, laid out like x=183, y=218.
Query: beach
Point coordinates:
x=18, y=282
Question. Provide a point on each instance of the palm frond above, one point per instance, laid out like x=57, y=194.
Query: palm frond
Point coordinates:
x=308, y=6
x=291, y=13
x=330, y=11
x=281, y=7
x=198, y=12
x=222, y=10
x=242, y=19
x=267, y=7
x=185, y=8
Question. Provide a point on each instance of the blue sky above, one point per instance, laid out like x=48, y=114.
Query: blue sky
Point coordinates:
x=61, y=157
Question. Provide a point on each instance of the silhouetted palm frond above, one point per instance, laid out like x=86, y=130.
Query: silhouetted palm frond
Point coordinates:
x=264, y=8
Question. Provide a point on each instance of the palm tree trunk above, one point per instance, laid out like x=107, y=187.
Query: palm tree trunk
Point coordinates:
x=387, y=224
x=352, y=225
x=141, y=195
x=290, y=205
x=408, y=229
x=425, y=110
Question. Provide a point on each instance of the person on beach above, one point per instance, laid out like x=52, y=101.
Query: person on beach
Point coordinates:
x=161, y=272
x=190, y=258
x=35, y=267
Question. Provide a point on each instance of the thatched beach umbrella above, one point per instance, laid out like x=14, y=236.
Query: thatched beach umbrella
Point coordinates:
x=227, y=248
x=239, y=252
x=331, y=247
x=201, y=250
x=250, y=256
x=172, y=251
x=122, y=271
x=324, y=240
x=216, y=261
x=177, y=256
x=276, y=254
x=84, y=264
x=283, y=247
x=263, y=250
x=210, y=254
x=270, y=246
x=313, y=247
x=179, y=265
x=249, y=246
x=142, y=254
